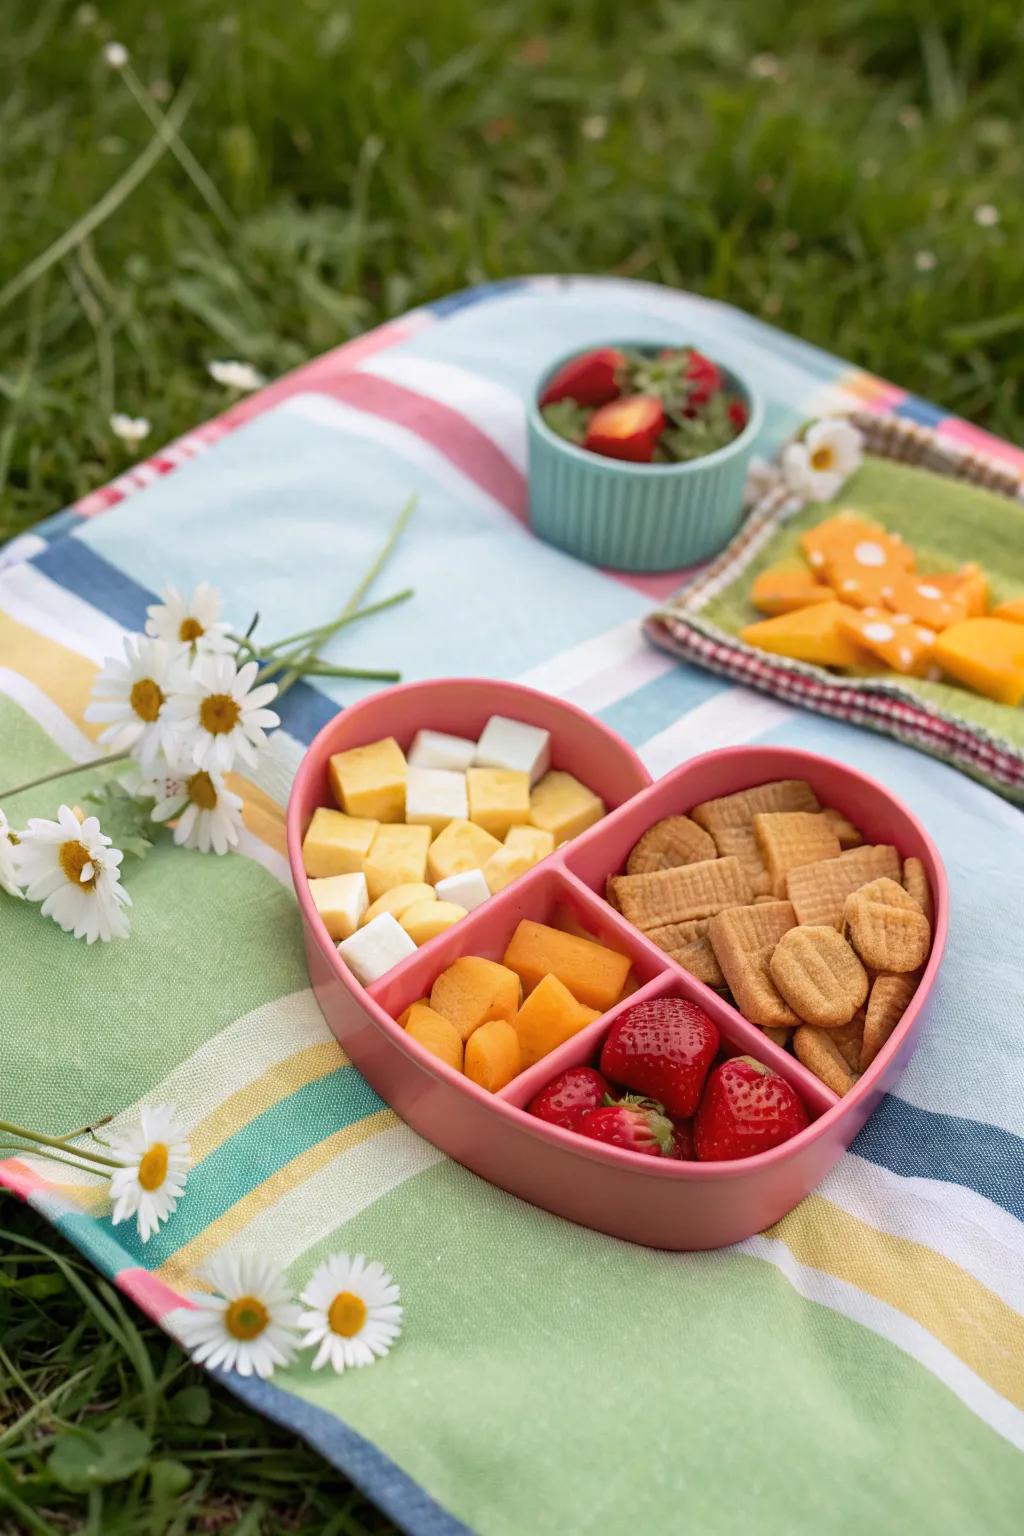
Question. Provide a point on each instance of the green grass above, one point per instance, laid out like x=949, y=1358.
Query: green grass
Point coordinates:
x=343, y=162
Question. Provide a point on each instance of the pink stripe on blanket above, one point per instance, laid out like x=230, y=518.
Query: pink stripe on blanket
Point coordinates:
x=148, y=1293
x=972, y=437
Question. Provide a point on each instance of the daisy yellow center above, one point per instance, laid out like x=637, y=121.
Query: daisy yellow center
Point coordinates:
x=246, y=1318
x=201, y=791
x=190, y=629
x=346, y=1314
x=219, y=714
x=821, y=458
x=147, y=699
x=74, y=857
x=153, y=1167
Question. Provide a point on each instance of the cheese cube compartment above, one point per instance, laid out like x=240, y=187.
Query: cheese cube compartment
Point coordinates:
x=512, y=744
x=434, y=797
x=435, y=749
x=468, y=889
x=372, y=951
x=336, y=844
x=370, y=781
x=522, y=849
x=397, y=856
x=341, y=901
x=426, y=919
x=460, y=847
x=399, y=899
x=563, y=806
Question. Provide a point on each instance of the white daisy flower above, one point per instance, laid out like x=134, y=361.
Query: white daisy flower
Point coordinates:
x=209, y=815
x=131, y=694
x=235, y=375
x=762, y=476
x=353, y=1312
x=193, y=621
x=816, y=467
x=8, y=859
x=250, y=1325
x=219, y=715
x=70, y=866
x=157, y=1157
x=130, y=429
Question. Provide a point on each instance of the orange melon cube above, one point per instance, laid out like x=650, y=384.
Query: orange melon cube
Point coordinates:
x=1013, y=611
x=473, y=990
x=406, y=1015
x=986, y=654
x=894, y=638
x=813, y=634
x=492, y=1056
x=924, y=600
x=434, y=1033
x=593, y=974
x=567, y=919
x=549, y=1016
x=783, y=588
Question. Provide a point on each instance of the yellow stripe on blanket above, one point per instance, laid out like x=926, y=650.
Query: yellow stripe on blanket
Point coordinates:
x=63, y=675
x=180, y=1271
x=972, y=1322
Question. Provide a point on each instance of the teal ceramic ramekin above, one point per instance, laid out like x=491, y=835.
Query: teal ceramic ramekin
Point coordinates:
x=637, y=517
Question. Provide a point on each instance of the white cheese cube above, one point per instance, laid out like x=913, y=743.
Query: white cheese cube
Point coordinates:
x=434, y=797
x=469, y=889
x=372, y=951
x=434, y=749
x=511, y=744
x=341, y=901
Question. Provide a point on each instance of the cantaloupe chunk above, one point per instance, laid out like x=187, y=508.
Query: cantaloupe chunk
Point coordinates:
x=987, y=655
x=593, y=974
x=492, y=1056
x=549, y=1016
x=924, y=600
x=1013, y=611
x=969, y=584
x=894, y=638
x=434, y=1033
x=568, y=920
x=810, y=634
x=473, y=990
x=406, y=1015
x=784, y=588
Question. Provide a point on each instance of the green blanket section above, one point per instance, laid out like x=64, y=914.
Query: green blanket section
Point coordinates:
x=947, y=522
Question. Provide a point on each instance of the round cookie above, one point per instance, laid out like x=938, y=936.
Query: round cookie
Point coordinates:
x=819, y=976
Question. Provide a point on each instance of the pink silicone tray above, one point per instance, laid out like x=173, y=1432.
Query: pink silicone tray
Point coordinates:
x=664, y=1204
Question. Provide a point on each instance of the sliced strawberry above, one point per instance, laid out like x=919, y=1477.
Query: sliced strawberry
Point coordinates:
x=570, y=1097
x=704, y=379
x=632, y=1126
x=738, y=413
x=626, y=429
x=663, y=1047
x=746, y=1109
x=593, y=378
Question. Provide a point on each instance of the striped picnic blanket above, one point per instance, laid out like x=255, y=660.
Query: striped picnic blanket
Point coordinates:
x=861, y=1363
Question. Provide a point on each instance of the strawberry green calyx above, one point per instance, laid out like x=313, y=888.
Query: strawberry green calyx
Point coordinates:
x=758, y=1066
x=662, y=1130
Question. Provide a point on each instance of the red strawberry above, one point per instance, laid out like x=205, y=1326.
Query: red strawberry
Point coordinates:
x=626, y=429
x=590, y=379
x=570, y=1097
x=682, y=1142
x=703, y=377
x=746, y=1108
x=638, y=1127
x=664, y=1048
x=738, y=413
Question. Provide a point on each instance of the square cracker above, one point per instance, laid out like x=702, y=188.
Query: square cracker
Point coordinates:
x=741, y=843
x=744, y=939
x=819, y=891
x=679, y=895
x=788, y=839
x=700, y=960
x=740, y=809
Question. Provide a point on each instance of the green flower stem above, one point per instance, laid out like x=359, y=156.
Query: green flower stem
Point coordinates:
x=324, y=631
x=64, y=773
x=327, y=669
x=38, y=1139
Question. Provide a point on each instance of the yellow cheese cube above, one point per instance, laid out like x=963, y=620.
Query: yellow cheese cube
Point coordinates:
x=499, y=798
x=370, y=780
x=398, y=900
x=341, y=901
x=987, y=655
x=563, y=806
x=336, y=844
x=397, y=856
x=427, y=919
x=523, y=848
x=459, y=847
